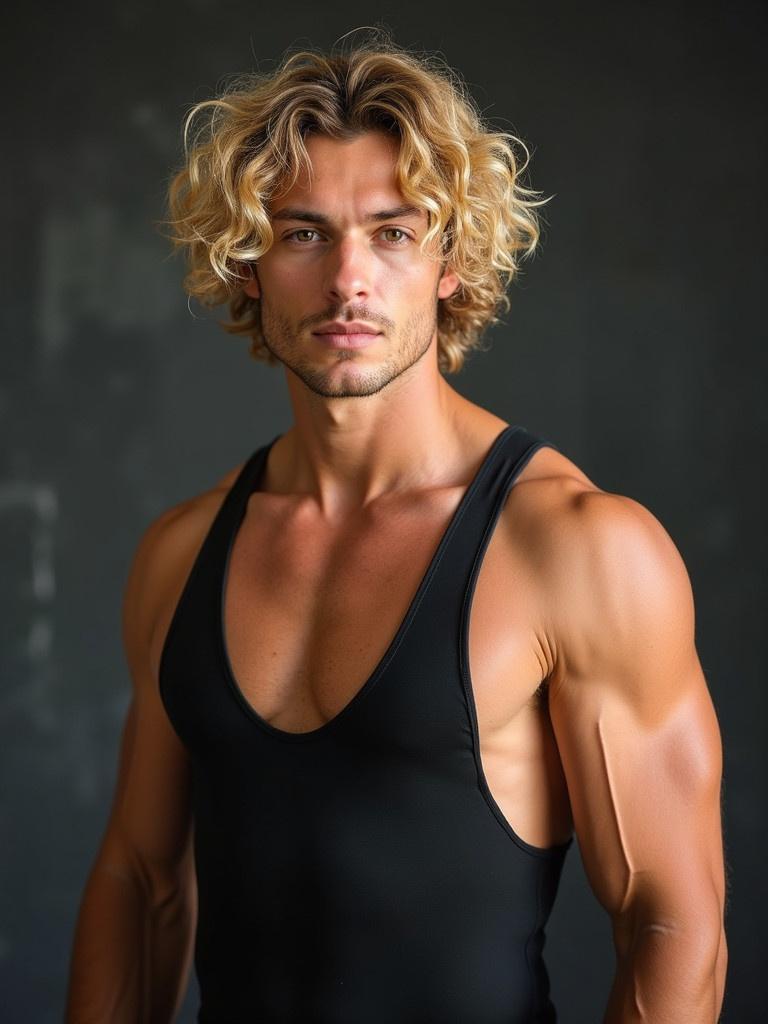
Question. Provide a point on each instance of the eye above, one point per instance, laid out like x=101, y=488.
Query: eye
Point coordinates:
x=406, y=237
x=301, y=231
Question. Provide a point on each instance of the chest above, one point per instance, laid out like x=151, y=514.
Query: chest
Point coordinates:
x=309, y=612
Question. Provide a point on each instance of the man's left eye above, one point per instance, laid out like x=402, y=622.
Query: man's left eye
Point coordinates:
x=399, y=231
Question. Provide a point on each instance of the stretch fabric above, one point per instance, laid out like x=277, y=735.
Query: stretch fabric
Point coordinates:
x=360, y=873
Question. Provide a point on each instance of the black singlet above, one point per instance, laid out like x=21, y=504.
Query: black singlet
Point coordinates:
x=360, y=873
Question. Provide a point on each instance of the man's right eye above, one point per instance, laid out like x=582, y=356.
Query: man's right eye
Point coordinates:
x=300, y=231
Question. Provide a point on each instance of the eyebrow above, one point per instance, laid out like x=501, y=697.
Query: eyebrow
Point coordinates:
x=312, y=217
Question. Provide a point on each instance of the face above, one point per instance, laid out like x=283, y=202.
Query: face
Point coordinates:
x=346, y=249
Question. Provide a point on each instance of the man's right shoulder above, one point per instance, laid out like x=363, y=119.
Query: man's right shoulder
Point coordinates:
x=182, y=525
x=161, y=563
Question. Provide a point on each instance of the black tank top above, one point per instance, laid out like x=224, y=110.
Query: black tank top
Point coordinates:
x=360, y=873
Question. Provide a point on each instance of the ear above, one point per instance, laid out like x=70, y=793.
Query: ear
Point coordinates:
x=251, y=286
x=447, y=284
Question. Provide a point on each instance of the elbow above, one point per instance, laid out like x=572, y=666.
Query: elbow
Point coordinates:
x=692, y=933
x=701, y=935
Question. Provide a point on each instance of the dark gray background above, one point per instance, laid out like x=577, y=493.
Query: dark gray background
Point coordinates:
x=635, y=342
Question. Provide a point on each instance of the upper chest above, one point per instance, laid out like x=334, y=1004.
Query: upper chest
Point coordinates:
x=309, y=611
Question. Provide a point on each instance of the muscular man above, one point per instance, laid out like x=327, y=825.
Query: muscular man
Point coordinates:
x=386, y=667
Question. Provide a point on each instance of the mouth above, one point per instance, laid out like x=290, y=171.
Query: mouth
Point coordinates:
x=361, y=340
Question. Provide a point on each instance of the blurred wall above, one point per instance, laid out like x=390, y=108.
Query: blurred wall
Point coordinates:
x=635, y=342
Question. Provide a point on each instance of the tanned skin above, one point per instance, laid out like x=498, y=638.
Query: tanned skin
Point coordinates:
x=593, y=710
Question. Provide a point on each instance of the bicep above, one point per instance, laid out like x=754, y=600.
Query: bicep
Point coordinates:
x=149, y=830
x=645, y=795
x=638, y=735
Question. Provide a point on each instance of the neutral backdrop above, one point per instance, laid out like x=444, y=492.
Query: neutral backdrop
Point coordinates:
x=635, y=342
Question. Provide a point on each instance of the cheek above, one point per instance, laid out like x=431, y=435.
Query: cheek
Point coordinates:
x=411, y=281
x=276, y=278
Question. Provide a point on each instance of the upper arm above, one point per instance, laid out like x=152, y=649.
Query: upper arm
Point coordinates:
x=635, y=724
x=148, y=835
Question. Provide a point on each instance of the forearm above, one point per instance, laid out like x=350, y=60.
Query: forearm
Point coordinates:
x=667, y=976
x=131, y=955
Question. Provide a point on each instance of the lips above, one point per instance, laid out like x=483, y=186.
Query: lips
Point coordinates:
x=347, y=339
x=343, y=327
x=343, y=334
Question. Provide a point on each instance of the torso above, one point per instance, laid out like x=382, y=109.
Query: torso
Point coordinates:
x=310, y=611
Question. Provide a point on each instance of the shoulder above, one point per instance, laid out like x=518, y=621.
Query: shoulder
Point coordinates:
x=161, y=562
x=612, y=579
x=598, y=534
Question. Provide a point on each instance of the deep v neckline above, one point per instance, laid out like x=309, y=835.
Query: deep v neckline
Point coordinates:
x=366, y=686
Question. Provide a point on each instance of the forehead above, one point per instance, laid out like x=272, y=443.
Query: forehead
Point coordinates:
x=352, y=174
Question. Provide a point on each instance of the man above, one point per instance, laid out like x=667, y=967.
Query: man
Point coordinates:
x=386, y=666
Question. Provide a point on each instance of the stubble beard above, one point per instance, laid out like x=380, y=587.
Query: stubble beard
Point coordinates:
x=403, y=351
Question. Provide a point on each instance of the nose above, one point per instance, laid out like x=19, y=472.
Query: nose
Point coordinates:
x=349, y=270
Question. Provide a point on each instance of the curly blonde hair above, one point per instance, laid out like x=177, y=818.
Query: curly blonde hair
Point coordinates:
x=251, y=148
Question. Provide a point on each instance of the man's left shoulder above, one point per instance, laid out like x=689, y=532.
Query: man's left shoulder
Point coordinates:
x=579, y=531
